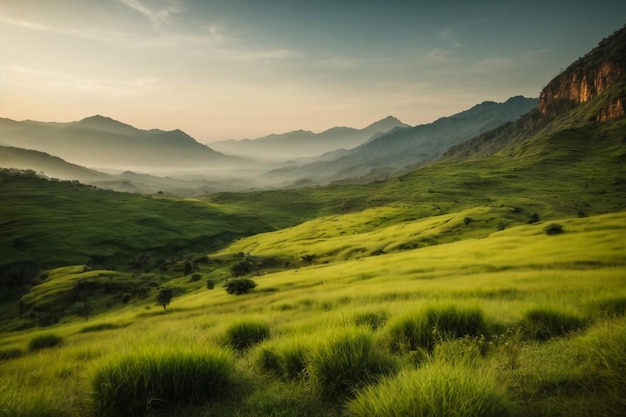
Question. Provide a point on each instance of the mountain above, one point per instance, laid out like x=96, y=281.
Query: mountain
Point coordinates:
x=586, y=96
x=303, y=143
x=102, y=142
x=50, y=166
x=403, y=148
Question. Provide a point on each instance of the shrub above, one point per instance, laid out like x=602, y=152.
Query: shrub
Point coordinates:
x=140, y=382
x=246, y=333
x=239, y=286
x=433, y=390
x=553, y=229
x=345, y=362
x=373, y=319
x=43, y=341
x=545, y=323
x=423, y=330
x=534, y=218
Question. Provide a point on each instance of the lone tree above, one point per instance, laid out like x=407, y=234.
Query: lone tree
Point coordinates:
x=239, y=286
x=164, y=297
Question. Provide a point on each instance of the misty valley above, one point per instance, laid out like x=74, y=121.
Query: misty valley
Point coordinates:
x=472, y=266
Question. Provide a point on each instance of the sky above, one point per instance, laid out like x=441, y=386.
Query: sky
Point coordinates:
x=233, y=69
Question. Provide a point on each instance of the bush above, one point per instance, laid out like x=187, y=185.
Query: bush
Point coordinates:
x=43, y=341
x=534, y=218
x=545, y=323
x=239, y=286
x=138, y=383
x=345, y=362
x=553, y=229
x=100, y=327
x=423, y=330
x=433, y=390
x=373, y=319
x=246, y=333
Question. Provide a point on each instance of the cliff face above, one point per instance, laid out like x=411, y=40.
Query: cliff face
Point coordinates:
x=588, y=78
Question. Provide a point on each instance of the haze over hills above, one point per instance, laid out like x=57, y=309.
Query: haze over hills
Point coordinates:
x=407, y=147
x=302, y=143
x=103, y=143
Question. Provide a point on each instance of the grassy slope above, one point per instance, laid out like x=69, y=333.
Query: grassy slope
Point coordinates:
x=505, y=274
x=427, y=255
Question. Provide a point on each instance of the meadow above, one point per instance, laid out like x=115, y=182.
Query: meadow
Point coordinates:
x=492, y=287
x=511, y=322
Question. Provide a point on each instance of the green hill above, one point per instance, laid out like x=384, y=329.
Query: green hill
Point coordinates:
x=491, y=282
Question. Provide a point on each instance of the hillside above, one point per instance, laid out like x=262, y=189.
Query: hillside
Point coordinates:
x=489, y=282
x=101, y=142
x=586, y=95
x=404, y=148
x=301, y=143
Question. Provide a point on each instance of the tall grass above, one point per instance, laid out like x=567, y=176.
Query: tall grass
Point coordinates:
x=436, y=389
x=141, y=382
x=346, y=360
x=246, y=333
x=287, y=359
x=422, y=329
x=543, y=323
x=43, y=341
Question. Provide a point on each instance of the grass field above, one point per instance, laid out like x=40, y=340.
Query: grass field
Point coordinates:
x=475, y=288
x=309, y=315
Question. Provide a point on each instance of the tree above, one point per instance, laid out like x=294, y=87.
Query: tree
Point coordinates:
x=83, y=310
x=164, y=297
x=239, y=286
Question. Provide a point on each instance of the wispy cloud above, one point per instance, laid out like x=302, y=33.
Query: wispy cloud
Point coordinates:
x=446, y=35
x=159, y=15
x=498, y=64
x=73, y=82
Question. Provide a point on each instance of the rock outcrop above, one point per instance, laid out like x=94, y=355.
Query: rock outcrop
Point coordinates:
x=588, y=78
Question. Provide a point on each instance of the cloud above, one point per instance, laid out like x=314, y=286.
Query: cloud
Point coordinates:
x=446, y=35
x=157, y=16
x=72, y=82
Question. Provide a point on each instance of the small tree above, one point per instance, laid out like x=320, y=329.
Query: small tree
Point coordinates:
x=164, y=297
x=83, y=310
x=210, y=284
x=239, y=286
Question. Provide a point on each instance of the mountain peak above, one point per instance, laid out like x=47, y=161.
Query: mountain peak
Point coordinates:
x=386, y=124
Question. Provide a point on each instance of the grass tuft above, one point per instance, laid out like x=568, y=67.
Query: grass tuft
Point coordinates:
x=374, y=319
x=285, y=358
x=246, y=333
x=139, y=383
x=434, y=390
x=424, y=329
x=543, y=323
x=43, y=341
x=101, y=327
x=346, y=361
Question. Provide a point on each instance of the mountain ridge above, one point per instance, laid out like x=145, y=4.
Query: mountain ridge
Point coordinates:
x=305, y=143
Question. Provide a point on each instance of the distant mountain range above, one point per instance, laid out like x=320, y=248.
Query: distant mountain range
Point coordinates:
x=304, y=143
x=101, y=142
x=405, y=147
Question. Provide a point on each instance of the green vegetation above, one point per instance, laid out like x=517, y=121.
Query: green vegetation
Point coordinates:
x=239, y=286
x=43, y=341
x=431, y=292
x=144, y=381
x=434, y=390
x=345, y=361
x=246, y=333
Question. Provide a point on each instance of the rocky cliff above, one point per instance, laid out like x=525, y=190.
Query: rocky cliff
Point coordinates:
x=589, y=77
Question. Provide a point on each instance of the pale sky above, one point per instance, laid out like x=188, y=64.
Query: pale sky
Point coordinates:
x=232, y=69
